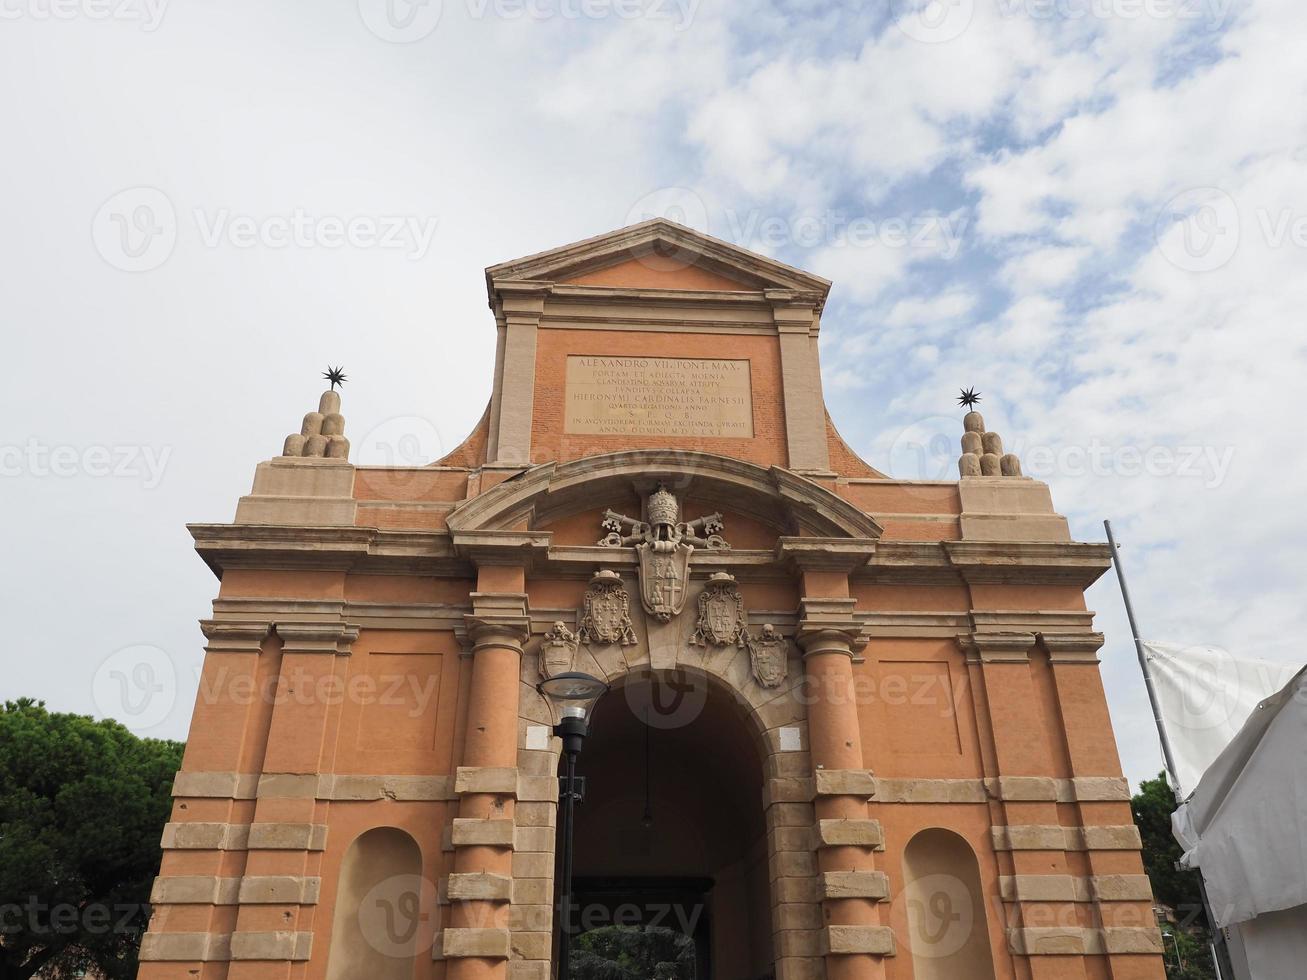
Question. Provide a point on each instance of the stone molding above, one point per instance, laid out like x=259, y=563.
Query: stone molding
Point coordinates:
x=267, y=836
x=1032, y=837
x=479, y=887
x=195, y=947
x=814, y=554
x=499, y=619
x=328, y=638
x=475, y=832
x=850, y=833
x=828, y=625
x=1070, y=888
x=234, y=637
x=250, y=890
x=280, y=946
x=844, y=782
x=1079, y=941
x=852, y=940
x=1013, y=789
x=431, y=552
x=475, y=943
x=854, y=884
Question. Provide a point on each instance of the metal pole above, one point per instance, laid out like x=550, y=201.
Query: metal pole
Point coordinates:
x=565, y=903
x=1221, y=957
x=1167, y=757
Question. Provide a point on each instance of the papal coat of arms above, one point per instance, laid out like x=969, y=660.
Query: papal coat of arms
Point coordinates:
x=606, y=613
x=557, y=651
x=721, y=614
x=664, y=545
x=768, y=656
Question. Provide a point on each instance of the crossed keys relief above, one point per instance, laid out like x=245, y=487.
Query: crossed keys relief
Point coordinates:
x=664, y=545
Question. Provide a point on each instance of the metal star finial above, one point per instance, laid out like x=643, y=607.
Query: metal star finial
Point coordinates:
x=968, y=398
x=336, y=375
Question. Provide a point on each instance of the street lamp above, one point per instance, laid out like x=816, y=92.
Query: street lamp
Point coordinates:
x=572, y=698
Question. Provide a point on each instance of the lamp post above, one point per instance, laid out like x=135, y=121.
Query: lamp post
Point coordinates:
x=572, y=697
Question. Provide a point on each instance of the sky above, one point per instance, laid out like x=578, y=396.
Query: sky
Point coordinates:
x=1094, y=211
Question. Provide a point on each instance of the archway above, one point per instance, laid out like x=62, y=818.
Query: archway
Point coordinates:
x=672, y=833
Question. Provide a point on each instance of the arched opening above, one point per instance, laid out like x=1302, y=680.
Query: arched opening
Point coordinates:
x=379, y=901
x=946, y=928
x=671, y=835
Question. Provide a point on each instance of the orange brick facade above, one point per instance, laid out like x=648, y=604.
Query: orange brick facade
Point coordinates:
x=930, y=789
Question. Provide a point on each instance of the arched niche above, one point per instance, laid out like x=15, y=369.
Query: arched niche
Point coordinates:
x=379, y=895
x=948, y=937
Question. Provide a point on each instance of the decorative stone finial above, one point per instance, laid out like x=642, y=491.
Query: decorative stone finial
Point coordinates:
x=322, y=436
x=982, y=450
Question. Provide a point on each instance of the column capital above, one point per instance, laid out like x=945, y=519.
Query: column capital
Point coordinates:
x=828, y=625
x=499, y=619
x=234, y=637
x=997, y=647
x=333, y=638
x=1072, y=648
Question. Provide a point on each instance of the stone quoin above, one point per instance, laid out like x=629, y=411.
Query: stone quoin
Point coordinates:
x=856, y=727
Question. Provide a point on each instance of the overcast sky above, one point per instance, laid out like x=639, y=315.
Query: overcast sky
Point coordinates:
x=1095, y=211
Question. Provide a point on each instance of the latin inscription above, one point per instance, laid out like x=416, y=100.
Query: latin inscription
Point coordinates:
x=658, y=396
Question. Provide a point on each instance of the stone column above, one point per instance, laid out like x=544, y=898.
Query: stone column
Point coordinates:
x=274, y=917
x=476, y=939
x=850, y=886
x=796, y=317
x=1116, y=883
x=1043, y=922
x=521, y=304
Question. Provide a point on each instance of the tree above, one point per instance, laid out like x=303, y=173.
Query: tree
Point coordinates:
x=1187, y=941
x=82, y=806
x=632, y=953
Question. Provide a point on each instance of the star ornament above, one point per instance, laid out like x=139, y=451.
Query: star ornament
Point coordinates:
x=336, y=375
x=969, y=398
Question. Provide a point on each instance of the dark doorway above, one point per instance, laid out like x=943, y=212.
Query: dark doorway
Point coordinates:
x=672, y=825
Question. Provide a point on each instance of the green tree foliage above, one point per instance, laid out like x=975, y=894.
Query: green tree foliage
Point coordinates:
x=82, y=806
x=632, y=953
x=1187, y=953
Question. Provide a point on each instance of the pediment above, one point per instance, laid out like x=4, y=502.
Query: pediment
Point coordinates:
x=657, y=254
x=774, y=495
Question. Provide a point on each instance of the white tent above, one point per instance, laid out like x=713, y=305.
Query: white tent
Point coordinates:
x=1245, y=829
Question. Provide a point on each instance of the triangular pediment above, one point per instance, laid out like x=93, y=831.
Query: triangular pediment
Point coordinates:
x=657, y=254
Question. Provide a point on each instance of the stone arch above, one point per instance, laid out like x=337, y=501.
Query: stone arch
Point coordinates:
x=773, y=722
x=944, y=907
x=791, y=503
x=380, y=897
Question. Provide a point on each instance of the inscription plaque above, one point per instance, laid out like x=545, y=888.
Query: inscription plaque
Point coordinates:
x=653, y=396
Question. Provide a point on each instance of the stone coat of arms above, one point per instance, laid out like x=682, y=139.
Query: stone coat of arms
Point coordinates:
x=664, y=545
x=768, y=657
x=722, y=620
x=606, y=613
x=557, y=651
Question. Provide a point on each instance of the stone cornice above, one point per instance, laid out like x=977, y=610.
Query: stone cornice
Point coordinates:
x=825, y=554
x=1010, y=562
x=522, y=548
x=441, y=553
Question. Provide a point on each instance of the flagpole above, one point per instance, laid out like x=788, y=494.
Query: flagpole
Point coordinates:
x=1220, y=950
x=1167, y=755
